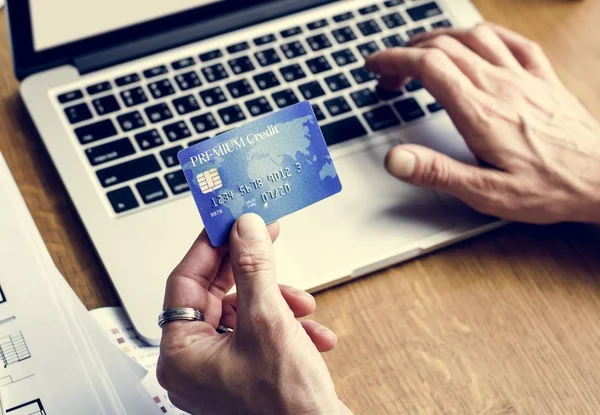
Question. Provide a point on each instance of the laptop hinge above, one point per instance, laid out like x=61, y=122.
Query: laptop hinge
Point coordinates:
x=192, y=33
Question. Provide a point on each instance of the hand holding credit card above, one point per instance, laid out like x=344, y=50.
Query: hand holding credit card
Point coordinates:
x=272, y=166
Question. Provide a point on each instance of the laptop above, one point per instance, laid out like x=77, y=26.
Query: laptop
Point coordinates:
x=116, y=88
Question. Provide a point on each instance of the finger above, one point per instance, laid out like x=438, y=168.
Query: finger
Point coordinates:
x=528, y=53
x=427, y=168
x=300, y=302
x=481, y=39
x=252, y=259
x=223, y=282
x=468, y=62
x=323, y=338
x=187, y=286
x=439, y=75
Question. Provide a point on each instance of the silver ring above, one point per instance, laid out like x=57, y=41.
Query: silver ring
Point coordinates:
x=180, y=313
x=224, y=329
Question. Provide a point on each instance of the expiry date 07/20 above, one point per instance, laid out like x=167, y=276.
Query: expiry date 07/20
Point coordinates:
x=266, y=196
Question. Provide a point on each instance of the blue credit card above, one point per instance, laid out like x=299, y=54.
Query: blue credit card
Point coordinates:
x=272, y=166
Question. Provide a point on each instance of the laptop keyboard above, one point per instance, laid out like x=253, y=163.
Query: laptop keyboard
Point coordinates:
x=132, y=126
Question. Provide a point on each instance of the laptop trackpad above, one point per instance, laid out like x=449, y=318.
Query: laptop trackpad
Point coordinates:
x=375, y=215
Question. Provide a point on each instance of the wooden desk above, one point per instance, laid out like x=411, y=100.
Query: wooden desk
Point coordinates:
x=507, y=323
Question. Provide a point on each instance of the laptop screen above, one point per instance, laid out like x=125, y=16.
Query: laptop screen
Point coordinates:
x=83, y=19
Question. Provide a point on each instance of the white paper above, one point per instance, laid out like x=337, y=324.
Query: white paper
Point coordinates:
x=119, y=330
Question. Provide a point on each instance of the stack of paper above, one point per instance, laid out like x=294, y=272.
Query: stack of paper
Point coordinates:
x=54, y=358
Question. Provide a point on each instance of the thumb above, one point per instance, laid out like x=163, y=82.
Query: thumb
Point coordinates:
x=428, y=168
x=253, y=264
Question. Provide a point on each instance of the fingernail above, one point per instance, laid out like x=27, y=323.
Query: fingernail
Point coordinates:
x=325, y=331
x=301, y=293
x=251, y=227
x=401, y=163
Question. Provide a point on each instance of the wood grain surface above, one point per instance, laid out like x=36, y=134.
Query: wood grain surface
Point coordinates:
x=506, y=323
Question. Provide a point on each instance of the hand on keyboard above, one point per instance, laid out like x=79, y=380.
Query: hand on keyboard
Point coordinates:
x=538, y=145
x=270, y=364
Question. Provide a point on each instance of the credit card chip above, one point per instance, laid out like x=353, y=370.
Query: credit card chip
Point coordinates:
x=209, y=181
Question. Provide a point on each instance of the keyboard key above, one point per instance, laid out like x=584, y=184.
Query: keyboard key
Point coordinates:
x=177, y=131
x=393, y=20
x=98, y=88
x=241, y=65
x=188, y=80
x=127, y=79
x=266, y=80
x=204, y=122
x=213, y=96
x=367, y=49
x=291, y=32
x=361, y=75
x=211, y=55
x=161, y=88
x=318, y=42
x=441, y=23
x=134, y=96
x=285, y=98
x=215, y=73
x=409, y=109
x=130, y=121
x=424, y=12
x=183, y=63
x=293, y=49
x=434, y=107
x=169, y=156
x=317, y=24
x=232, y=114
x=414, y=85
x=369, y=9
x=106, y=105
x=238, y=47
x=70, y=96
x=263, y=40
x=258, y=106
x=156, y=71
x=78, y=113
x=318, y=113
x=128, y=171
x=186, y=104
x=149, y=139
x=337, y=82
x=343, y=17
x=368, y=27
x=96, y=131
x=415, y=31
x=240, y=88
x=318, y=65
x=151, y=190
x=393, y=41
x=381, y=118
x=393, y=3
x=337, y=106
x=344, y=57
x=311, y=90
x=387, y=95
x=344, y=34
x=158, y=112
x=177, y=183
x=364, y=98
x=109, y=151
x=122, y=200
x=343, y=130
x=292, y=72
x=267, y=57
